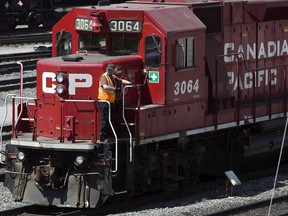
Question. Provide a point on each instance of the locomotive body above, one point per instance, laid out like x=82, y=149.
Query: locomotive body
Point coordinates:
x=210, y=95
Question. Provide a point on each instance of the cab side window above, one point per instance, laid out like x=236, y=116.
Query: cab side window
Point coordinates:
x=185, y=53
x=63, y=45
x=153, y=51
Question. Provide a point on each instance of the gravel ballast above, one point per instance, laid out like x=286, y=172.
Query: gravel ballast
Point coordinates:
x=205, y=203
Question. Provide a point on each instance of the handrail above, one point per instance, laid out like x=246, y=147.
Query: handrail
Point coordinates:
x=115, y=135
x=110, y=123
x=123, y=111
x=21, y=110
x=125, y=121
x=21, y=87
x=3, y=147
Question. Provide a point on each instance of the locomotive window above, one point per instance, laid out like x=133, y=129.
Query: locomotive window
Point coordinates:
x=153, y=51
x=92, y=42
x=185, y=53
x=125, y=44
x=64, y=41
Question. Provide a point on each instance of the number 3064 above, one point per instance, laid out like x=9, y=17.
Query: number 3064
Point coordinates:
x=186, y=87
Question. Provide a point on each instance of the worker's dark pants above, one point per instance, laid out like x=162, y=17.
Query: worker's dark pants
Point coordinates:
x=104, y=119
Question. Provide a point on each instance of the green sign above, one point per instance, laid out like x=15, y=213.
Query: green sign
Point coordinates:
x=153, y=76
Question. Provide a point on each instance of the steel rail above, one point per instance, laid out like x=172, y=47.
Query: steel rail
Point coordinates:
x=24, y=56
x=16, y=80
x=41, y=211
x=13, y=67
x=28, y=60
x=250, y=206
x=14, y=84
x=33, y=37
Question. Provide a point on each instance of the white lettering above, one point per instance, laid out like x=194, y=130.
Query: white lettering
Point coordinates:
x=261, y=77
x=228, y=49
x=75, y=81
x=45, y=87
x=231, y=77
x=79, y=81
x=273, y=73
x=186, y=87
x=240, y=50
x=251, y=51
x=262, y=51
x=284, y=48
x=269, y=49
x=248, y=77
x=237, y=83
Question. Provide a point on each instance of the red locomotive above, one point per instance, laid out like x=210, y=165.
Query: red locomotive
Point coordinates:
x=210, y=95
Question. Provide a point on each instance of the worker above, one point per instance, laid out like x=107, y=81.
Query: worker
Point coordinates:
x=109, y=86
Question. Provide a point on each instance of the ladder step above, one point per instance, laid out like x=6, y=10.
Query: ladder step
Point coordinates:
x=27, y=119
x=129, y=124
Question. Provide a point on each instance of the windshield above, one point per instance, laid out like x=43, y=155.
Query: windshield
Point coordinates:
x=125, y=44
x=122, y=44
x=92, y=42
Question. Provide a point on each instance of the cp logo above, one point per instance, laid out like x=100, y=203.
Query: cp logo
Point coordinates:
x=75, y=81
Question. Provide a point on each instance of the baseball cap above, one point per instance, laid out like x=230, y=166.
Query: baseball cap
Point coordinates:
x=110, y=67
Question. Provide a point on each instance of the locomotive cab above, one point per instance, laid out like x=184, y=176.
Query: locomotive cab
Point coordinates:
x=172, y=54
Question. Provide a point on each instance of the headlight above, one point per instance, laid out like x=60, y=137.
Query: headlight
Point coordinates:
x=20, y=156
x=61, y=78
x=79, y=160
x=61, y=90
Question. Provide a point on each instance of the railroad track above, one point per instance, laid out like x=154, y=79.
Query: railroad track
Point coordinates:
x=35, y=210
x=28, y=60
x=258, y=208
x=13, y=84
x=14, y=67
x=24, y=36
x=25, y=57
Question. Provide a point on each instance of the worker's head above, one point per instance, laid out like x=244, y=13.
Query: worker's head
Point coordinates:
x=110, y=69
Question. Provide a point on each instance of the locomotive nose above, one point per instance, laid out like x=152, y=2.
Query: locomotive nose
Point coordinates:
x=77, y=76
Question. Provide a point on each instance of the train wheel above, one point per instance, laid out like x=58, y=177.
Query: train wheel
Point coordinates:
x=34, y=20
x=191, y=159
